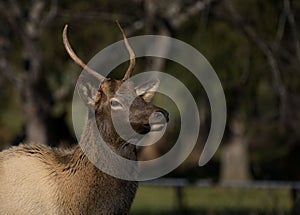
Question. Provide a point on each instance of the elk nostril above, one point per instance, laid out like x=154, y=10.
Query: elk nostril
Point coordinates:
x=162, y=114
x=158, y=115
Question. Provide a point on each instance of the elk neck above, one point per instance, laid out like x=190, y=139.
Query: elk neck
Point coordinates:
x=96, y=134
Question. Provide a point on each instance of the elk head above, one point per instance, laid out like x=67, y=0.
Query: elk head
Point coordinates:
x=115, y=100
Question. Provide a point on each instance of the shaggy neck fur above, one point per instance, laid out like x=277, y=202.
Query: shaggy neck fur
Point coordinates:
x=94, y=191
x=37, y=179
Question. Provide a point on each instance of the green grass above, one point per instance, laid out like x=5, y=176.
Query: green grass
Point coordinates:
x=158, y=200
x=154, y=199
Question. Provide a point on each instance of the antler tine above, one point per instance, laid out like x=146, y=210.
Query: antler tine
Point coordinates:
x=76, y=58
x=131, y=53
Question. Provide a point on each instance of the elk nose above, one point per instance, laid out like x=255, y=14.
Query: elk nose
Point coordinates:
x=161, y=115
x=158, y=120
x=164, y=113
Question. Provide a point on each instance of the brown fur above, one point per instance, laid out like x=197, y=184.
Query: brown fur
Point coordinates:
x=37, y=179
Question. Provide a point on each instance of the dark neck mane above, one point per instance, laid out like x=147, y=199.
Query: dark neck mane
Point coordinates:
x=97, y=191
x=103, y=154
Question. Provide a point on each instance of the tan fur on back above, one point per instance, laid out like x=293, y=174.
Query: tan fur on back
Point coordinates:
x=36, y=179
x=33, y=182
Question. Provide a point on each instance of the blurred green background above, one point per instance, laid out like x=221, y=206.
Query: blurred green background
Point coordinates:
x=253, y=45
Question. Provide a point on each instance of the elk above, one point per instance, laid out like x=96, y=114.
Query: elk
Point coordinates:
x=37, y=179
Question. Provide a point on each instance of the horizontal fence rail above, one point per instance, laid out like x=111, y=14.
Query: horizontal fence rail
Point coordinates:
x=180, y=183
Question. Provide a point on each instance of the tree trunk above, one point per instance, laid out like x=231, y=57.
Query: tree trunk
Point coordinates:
x=234, y=157
x=36, y=100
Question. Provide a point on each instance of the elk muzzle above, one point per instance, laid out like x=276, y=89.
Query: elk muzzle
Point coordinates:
x=158, y=119
x=153, y=121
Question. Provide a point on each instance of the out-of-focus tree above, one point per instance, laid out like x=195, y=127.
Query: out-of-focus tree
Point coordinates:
x=253, y=46
x=271, y=30
x=32, y=59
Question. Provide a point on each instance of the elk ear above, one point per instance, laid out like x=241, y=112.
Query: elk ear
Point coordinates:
x=147, y=90
x=87, y=92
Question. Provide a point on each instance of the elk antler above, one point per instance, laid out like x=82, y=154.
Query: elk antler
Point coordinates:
x=76, y=58
x=131, y=53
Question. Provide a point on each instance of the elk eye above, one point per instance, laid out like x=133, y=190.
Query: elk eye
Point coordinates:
x=115, y=104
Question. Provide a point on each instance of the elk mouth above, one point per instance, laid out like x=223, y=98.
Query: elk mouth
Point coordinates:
x=149, y=127
x=141, y=128
x=153, y=127
x=157, y=126
x=156, y=122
